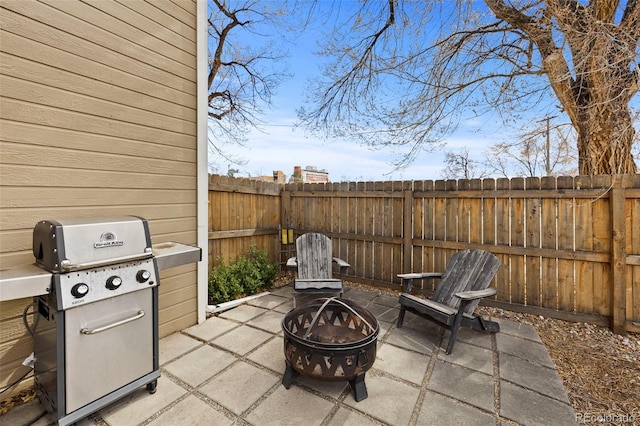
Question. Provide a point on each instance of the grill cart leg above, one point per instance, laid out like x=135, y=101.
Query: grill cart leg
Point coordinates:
x=289, y=375
x=152, y=387
x=359, y=387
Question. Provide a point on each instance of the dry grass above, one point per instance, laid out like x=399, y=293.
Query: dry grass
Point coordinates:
x=600, y=370
x=14, y=401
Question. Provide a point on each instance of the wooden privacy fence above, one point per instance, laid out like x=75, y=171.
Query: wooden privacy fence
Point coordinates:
x=242, y=212
x=569, y=246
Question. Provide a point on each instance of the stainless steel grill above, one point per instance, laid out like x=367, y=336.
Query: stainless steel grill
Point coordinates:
x=96, y=335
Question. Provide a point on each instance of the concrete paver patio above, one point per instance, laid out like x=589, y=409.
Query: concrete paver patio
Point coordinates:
x=228, y=369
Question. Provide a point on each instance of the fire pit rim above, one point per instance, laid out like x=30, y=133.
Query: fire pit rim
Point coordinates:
x=365, y=341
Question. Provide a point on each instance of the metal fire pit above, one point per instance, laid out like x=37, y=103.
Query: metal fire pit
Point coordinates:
x=330, y=339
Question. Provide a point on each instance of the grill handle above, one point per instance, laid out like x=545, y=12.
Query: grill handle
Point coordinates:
x=88, y=331
x=66, y=265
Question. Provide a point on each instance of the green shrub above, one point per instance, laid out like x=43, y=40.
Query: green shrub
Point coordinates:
x=268, y=271
x=249, y=275
x=244, y=275
x=224, y=284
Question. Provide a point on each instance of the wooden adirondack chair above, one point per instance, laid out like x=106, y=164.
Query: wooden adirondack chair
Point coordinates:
x=465, y=281
x=313, y=263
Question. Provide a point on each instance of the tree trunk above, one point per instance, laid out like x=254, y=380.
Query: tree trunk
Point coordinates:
x=596, y=81
x=605, y=137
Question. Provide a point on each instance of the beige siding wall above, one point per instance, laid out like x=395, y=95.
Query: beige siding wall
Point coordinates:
x=98, y=118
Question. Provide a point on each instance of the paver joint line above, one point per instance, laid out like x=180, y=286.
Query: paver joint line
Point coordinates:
x=496, y=377
x=425, y=381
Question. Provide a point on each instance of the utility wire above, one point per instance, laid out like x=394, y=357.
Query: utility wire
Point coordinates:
x=24, y=376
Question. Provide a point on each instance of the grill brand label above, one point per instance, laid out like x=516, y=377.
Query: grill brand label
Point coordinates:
x=108, y=239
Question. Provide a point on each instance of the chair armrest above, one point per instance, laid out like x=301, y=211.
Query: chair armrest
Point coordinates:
x=407, y=279
x=477, y=294
x=341, y=262
x=420, y=275
x=343, y=266
x=292, y=264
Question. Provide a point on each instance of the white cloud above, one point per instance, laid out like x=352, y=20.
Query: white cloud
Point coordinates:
x=281, y=147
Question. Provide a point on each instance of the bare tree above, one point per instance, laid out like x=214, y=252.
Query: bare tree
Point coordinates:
x=460, y=165
x=246, y=63
x=407, y=70
x=546, y=149
x=635, y=118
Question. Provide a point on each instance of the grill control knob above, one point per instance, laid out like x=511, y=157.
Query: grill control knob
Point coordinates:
x=79, y=290
x=143, y=276
x=114, y=282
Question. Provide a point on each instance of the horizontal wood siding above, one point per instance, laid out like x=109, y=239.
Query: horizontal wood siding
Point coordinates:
x=98, y=118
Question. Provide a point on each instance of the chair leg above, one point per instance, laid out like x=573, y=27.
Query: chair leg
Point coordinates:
x=454, y=330
x=401, y=316
x=488, y=325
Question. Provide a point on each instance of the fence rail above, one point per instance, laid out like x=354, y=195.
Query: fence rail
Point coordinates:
x=569, y=246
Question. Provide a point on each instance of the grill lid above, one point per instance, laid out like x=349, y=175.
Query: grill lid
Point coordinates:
x=68, y=245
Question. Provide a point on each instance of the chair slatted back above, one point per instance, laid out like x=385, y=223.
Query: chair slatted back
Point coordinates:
x=314, y=256
x=466, y=270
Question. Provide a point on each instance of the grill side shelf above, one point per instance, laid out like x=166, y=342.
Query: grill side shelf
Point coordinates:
x=172, y=254
x=24, y=281
x=30, y=280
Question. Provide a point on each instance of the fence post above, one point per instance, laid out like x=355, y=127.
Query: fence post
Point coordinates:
x=618, y=256
x=285, y=208
x=407, y=230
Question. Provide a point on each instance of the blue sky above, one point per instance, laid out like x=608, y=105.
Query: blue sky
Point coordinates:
x=280, y=145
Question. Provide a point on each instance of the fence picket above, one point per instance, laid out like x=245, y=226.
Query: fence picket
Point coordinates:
x=503, y=238
x=533, y=277
x=565, y=239
x=517, y=239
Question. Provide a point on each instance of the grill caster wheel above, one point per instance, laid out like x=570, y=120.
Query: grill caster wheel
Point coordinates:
x=152, y=387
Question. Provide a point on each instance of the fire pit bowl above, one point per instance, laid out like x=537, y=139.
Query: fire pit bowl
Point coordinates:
x=330, y=339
